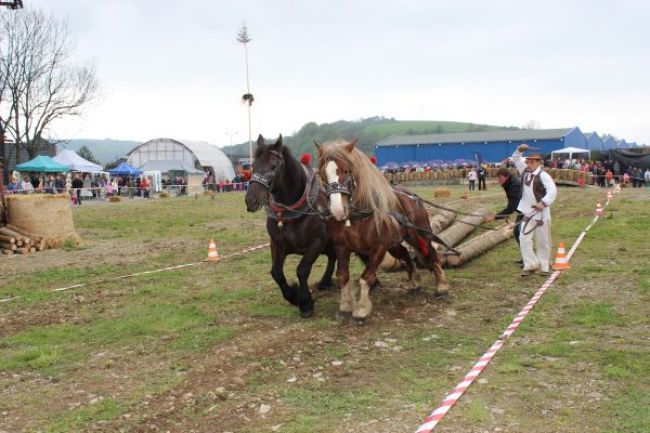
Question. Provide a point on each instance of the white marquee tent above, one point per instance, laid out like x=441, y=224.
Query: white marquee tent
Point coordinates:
x=571, y=151
x=76, y=163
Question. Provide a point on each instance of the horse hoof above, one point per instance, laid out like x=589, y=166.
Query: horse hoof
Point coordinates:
x=375, y=286
x=360, y=314
x=344, y=316
x=442, y=295
x=442, y=290
x=359, y=322
x=305, y=314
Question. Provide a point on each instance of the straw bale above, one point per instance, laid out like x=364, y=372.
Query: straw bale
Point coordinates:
x=46, y=215
x=442, y=192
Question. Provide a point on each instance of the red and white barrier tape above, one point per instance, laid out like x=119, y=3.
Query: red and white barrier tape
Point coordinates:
x=450, y=400
x=155, y=271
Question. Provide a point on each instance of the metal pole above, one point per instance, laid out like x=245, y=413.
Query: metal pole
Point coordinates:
x=248, y=90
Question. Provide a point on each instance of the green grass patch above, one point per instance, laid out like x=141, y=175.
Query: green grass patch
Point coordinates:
x=628, y=411
x=57, y=346
x=596, y=314
x=77, y=420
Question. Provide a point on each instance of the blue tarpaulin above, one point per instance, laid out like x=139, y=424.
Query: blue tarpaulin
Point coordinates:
x=125, y=169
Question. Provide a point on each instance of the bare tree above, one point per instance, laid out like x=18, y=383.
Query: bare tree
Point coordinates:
x=532, y=124
x=39, y=83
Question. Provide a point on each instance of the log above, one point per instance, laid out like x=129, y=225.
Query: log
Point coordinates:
x=8, y=232
x=480, y=244
x=7, y=246
x=463, y=227
x=8, y=239
x=7, y=252
x=22, y=250
x=19, y=231
x=441, y=220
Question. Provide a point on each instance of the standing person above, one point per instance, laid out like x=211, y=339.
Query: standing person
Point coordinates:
x=512, y=186
x=144, y=186
x=482, y=174
x=609, y=177
x=646, y=177
x=538, y=193
x=77, y=185
x=59, y=184
x=472, y=177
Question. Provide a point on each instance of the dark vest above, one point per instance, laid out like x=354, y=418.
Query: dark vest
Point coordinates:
x=539, y=191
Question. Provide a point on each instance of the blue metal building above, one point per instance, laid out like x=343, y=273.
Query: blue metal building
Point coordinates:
x=609, y=142
x=594, y=142
x=493, y=146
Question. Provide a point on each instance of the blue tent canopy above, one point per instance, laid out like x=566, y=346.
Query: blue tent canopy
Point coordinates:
x=43, y=164
x=125, y=169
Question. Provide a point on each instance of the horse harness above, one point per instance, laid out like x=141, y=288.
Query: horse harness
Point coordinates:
x=266, y=179
x=347, y=187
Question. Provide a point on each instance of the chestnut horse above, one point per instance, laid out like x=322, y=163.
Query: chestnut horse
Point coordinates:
x=369, y=217
x=292, y=195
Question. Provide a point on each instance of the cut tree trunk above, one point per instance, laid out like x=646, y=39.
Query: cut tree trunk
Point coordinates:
x=462, y=227
x=441, y=220
x=480, y=244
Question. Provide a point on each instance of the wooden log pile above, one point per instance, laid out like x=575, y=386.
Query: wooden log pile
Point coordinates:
x=453, y=233
x=14, y=240
x=480, y=244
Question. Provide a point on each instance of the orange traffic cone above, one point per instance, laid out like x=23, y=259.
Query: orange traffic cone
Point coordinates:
x=599, y=209
x=560, y=259
x=213, y=255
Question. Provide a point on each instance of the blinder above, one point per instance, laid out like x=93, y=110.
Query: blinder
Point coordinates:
x=344, y=187
x=266, y=179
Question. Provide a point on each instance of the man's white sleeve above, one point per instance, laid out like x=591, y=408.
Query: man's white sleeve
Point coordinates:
x=517, y=158
x=551, y=189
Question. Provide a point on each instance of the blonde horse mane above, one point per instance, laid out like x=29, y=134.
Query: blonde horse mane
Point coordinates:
x=371, y=190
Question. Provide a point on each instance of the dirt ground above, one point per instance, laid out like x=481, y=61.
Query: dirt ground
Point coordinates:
x=280, y=373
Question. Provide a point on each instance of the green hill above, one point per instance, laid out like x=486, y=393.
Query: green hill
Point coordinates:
x=368, y=131
x=104, y=151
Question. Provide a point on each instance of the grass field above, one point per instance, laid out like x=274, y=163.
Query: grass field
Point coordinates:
x=215, y=348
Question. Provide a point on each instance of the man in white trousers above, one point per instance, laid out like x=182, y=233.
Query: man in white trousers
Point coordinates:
x=538, y=193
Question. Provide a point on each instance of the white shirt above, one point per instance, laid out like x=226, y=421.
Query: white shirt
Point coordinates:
x=528, y=200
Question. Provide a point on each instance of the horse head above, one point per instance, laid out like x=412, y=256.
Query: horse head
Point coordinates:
x=266, y=173
x=336, y=170
x=353, y=184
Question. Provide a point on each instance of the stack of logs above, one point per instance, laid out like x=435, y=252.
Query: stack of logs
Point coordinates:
x=14, y=240
x=454, y=231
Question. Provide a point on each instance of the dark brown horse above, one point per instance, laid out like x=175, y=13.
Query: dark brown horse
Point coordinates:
x=292, y=196
x=369, y=217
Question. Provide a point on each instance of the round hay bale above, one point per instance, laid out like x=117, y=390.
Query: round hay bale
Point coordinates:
x=114, y=199
x=441, y=192
x=46, y=215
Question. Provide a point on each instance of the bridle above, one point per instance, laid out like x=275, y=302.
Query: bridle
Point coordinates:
x=344, y=187
x=266, y=179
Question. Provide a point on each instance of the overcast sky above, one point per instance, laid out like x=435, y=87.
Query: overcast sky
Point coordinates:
x=174, y=68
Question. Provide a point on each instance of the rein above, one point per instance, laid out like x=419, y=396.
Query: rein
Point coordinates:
x=455, y=212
